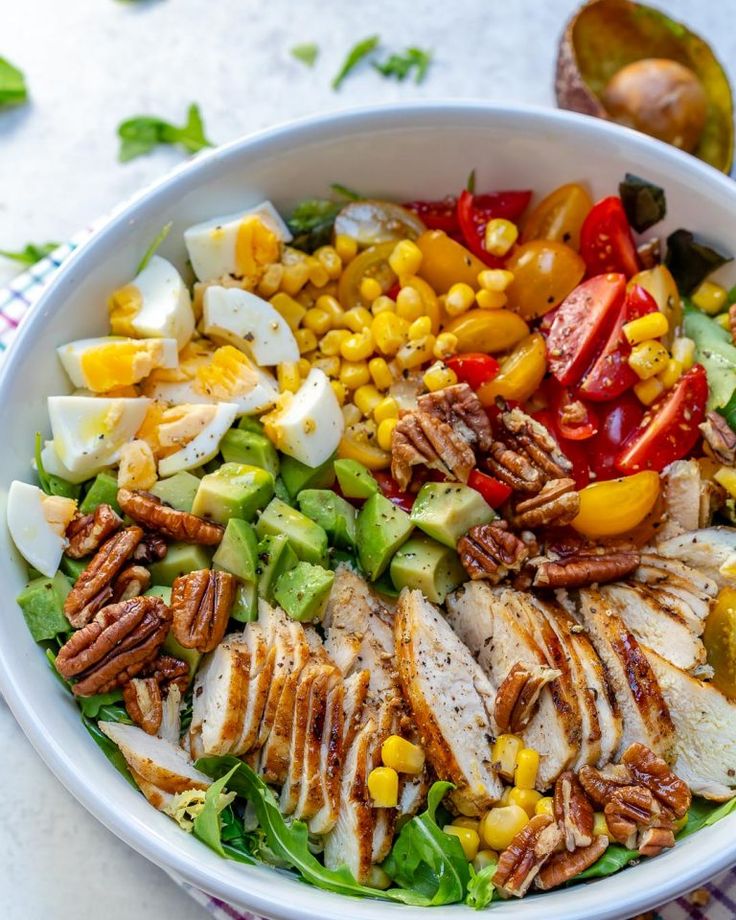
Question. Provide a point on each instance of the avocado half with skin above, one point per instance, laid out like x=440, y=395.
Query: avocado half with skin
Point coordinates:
x=633, y=64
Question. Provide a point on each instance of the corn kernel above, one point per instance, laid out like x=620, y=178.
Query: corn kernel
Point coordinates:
x=683, y=350
x=381, y=373
x=351, y=414
x=289, y=377
x=305, y=298
x=527, y=764
x=305, y=363
x=328, y=257
x=419, y=328
x=484, y=859
x=710, y=297
x=526, y=799
x=390, y=332
x=405, y=259
x=270, y=280
x=446, y=345
x=500, y=825
x=545, y=806
x=651, y=326
x=462, y=821
x=504, y=753
x=647, y=391
x=318, y=274
x=600, y=825
x=358, y=347
x=354, y=374
x=469, y=839
x=438, y=376
x=346, y=247
x=294, y=277
x=402, y=755
x=414, y=354
x=358, y=319
x=328, y=365
x=289, y=309
x=370, y=289
x=383, y=786
x=648, y=358
x=459, y=298
x=726, y=476
x=671, y=374
x=331, y=341
x=382, y=304
x=386, y=408
x=385, y=432
x=366, y=398
x=319, y=321
x=490, y=300
x=495, y=279
x=500, y=236
x=724, y=321
x=340, y=391
x=409, y=304
x=306, y=340
x=504, y=800
x=331, y=306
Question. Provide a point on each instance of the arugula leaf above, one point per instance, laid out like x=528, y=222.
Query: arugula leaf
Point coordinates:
x=427, y=860
x=306, y=53
x=615, y=858
x=704, y=813
x=400, y=66
x=31, y=252
x=644, y=202
x=729, y=411
x=140, y=134
x=207, y=823
x=101, y=706
x=151, y=251
x=237, y=844
x=481, y=887
x=691, y=261
x=311, y=223
x=346, y=192
x=50, y=484
x=13, y=90
x=356, y=54
x=470, y=183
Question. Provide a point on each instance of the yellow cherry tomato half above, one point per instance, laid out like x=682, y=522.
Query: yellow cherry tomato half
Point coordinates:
x=355, y=444
x=720, y=641
x=658, y=282
x=488, y=331
x=559, y=216
x=612, y=508
x=545, y=272
x=521, y=373
x=445, y=262
x=371, y=263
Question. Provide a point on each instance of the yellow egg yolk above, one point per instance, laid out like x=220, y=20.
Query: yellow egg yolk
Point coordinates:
x=119, y=364
x=255, y=247
x=124, y=305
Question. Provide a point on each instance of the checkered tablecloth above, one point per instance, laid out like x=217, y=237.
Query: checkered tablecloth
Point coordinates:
x=716, y=901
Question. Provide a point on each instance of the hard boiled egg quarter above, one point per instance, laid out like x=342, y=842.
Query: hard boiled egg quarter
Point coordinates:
x=308, y=424
x=249, y=323
x=198, y=429
x=105, y=363
x=37, y=524
x=238, y=244
x=156, y=304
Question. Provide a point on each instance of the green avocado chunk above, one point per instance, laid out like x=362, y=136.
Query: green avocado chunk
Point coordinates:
x=245, y=608
x=356, y=480
x=235, y=490
x=302, y=592
x=280, y=491
x=298, y=476
x=163, y=591
x=380, y=530
x=103, y=491
x=333, y=513
x=42, y=603
x=425, y=564
x=447, y=510
x=275, y=556
x=178, y=490
x=713, y=349
x=248, y=423
x=307, y=539
x=73, y=568
x=172, y=647
x=238, y=551
x=251, y=448
x=180, y=559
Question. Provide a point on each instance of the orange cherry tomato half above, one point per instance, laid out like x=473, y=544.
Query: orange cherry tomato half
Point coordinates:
x=544, y=274
x=559, y=216
x=371, y=263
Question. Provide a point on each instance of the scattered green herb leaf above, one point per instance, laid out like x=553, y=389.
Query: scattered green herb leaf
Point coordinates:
x=31, y=253
x=470, y=184
x=691, y=261
x=306, y=53
x=346, y=192
x=401, y=65
x=644, y=202
x=357, y=53
x=481, y=887
x=311, y=223
x=139, y=135
x=52, y=485
x=13, y=90
x=151, y=251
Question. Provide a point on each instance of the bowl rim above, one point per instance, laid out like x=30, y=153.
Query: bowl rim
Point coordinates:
x=659, y=880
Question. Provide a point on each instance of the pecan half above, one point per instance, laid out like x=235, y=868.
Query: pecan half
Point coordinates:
x=144, y=703
x=651, y=771
x=201, y=603
x=526, y=854
x=87, y=532
x=573, y=811
x=600, y=785
x=152, y=548
x=561, y=867
x=518, y=696
x=491, y=551
x=655, y=839
x=529, y=436
x=168, y=671
x=630, y=808
x=151, y=513
x=557, y=503
x=131, y=582
x=513, y=468
x=421, y=439
x=584, y=569
x=94, y=587
x=720, y=437
x=460, y=408
x=119, y=642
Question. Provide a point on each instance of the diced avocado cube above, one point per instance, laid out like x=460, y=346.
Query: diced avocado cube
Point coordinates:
x=298, y=476
x=250, y=448
x=385, y=586
x=307, y=539
x=275, y=556
x=356, y=480
x=238, y=551
x=280, y=491
x=302, y=592
x=429, y=566
x=73, y=567
x=447, y=510
x=177, y=490
x=248, y=423
x=180, y=559
x=245, y=608
x=42, y=603
x=235, y=490
x=380, y=530
x=330, y=511
x=190, y=655
x=103, y=491
x=163, y=591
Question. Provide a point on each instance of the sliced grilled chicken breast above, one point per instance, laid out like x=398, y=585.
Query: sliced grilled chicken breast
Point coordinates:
x=352, y=611
x=330, y=760
x=682, y=490
x=157, y=797
x=220, y=698
x=262, y=658
x=655, y=568
x=387, y=720
x=312, y=790
x=280, y=634
x=356, y=692
x=451, y=700
x=291, y=789
x=710, y=550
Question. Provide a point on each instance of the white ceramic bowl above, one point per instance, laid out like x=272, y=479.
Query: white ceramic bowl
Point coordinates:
x=418, y=151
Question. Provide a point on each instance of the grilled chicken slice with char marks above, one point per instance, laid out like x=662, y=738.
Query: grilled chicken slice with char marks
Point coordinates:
x=654, y=568
x=262, y=659
x=219, y=698
x=711, y=550
x=356, y=693
x=330, y=759
x=291, y=789
x=312, y=790
x=279, y=634
x=387, y=721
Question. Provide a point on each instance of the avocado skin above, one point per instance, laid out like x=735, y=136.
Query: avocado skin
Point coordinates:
x=234, y=490
x=356, y=480
x=250, y=448
x=425, y=564
x=180, y=559
x=238, y=550
x=275, y=556
x=380, y=530
x=42, y=603
x=331, y=512
x=178, y=490
x=303, y=590
x=307, y=539
x=447, y=510
x=297, y=476
x=103, y=491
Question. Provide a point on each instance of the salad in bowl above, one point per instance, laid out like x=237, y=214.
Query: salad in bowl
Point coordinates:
x=394, y=547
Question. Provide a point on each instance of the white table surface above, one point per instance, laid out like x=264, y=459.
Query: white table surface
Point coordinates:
x=92, y=63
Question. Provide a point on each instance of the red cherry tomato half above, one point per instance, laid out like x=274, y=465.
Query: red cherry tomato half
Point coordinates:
x=390, y=489
x=575, y=452
x=573, y=419
x=437, y=215
x=474, y=212
x=474, y=368
x=493, y=490
x=606, y=243
x=622, y=416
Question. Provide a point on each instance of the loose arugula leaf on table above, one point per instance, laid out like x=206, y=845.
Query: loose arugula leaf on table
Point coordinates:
x=152, y=249
x=31, y=252
x=401, y=65
x=691, y=261
x=13, y=90
x=481, y=887
x=357, y=53
x=306, y=53
x=50, y=484
x=644, y=202
x=139, y=135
